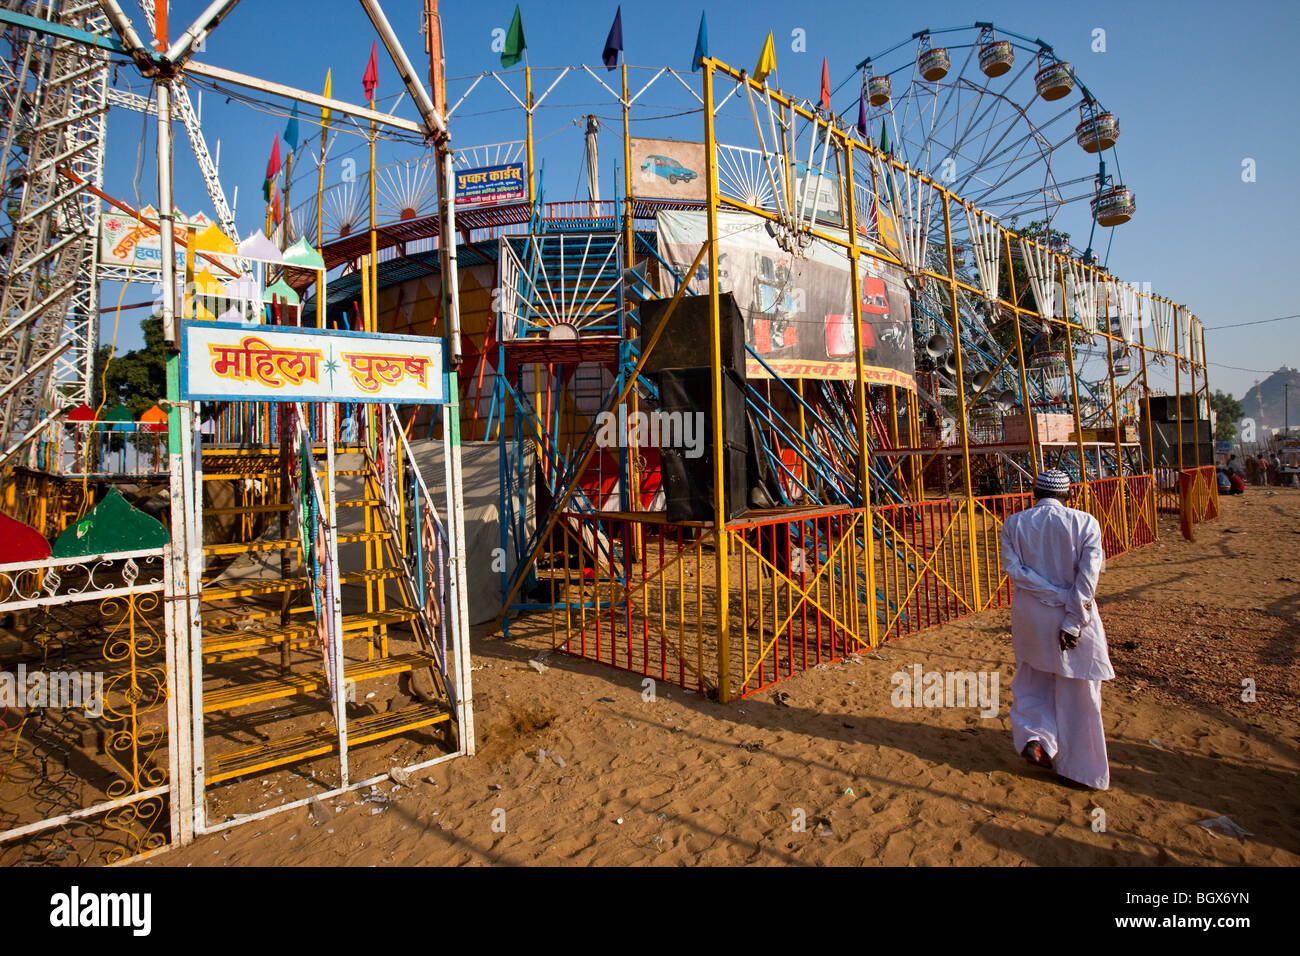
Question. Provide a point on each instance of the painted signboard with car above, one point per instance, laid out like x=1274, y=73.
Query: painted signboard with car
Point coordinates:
x=669, y=168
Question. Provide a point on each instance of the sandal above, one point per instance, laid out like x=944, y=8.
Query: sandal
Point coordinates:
x=1035, y=754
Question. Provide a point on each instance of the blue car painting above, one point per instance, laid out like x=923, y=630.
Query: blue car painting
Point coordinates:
x=668, y=168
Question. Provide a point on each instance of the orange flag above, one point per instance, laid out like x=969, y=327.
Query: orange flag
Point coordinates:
x=826, y=86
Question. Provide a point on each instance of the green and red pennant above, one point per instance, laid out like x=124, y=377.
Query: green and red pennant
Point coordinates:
x=272, y=170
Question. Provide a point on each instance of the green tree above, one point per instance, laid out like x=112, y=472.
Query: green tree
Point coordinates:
x=1228, y=410
x=138, y=379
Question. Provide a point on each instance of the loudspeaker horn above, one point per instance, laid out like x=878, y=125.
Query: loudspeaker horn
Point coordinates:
x=936, y=345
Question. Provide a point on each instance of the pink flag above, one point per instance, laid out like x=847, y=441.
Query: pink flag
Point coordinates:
x=371, y=79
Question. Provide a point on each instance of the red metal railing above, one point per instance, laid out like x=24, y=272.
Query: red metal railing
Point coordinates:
x=798, y=596
x=640, y=595
x=645, y=615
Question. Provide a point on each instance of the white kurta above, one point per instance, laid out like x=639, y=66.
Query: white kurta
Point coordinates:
x=1053, y=557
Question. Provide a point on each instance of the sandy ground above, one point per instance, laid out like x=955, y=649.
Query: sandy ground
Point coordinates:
x=576, y=767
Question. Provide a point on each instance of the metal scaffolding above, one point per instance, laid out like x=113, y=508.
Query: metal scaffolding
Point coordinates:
x=55, y=93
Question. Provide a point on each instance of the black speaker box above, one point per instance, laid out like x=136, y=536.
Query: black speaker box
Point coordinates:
x=1170, y=408
x=1165, y=435
x=686, y=341
x=688, y=481
x=1192, y=432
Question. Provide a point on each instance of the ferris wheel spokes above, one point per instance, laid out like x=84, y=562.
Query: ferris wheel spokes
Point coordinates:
x=986, y=242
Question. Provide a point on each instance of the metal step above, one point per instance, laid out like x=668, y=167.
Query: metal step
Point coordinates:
x=291, y=685
x=253, y=589
x=254, y=641
x=245, y=510
x=277, y=508
x=282, y=544
x=323, y=740
x=231, y=620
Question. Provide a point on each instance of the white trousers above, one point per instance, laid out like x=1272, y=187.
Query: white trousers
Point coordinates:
x=1064, y=715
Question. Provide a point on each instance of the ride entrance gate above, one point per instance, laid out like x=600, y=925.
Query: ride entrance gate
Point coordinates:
x=327, y=644
x=333, y=617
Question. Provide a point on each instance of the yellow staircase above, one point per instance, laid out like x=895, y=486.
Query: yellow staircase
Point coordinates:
x=260, y=645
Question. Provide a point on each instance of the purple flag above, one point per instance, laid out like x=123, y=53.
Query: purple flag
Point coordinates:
x=614, y=42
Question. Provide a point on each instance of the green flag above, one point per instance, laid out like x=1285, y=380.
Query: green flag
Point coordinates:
x=884, y=139
x=513, y=51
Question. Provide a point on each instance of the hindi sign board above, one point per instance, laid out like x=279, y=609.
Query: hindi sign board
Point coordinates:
x=128, y=242
x=224, y=361
x=489, y=185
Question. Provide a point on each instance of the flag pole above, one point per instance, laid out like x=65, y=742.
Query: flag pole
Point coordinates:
x=320, y=238
x=634, y=479
x=373, y=318
x=284, y=215
x=528, y=120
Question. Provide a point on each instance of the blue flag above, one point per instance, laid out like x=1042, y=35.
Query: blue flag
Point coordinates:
x=701, y=44
x=614, y=42
x=291, y=131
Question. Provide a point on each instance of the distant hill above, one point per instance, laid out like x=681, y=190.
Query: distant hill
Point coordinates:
x=1265, y=401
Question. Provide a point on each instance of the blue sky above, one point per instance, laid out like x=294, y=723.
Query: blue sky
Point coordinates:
x=1198, y=88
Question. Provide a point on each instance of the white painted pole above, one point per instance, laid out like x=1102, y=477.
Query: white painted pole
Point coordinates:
x=458, y=599
x=180, y=803
x=335, y=609
x=194, y=671
x=450, y=268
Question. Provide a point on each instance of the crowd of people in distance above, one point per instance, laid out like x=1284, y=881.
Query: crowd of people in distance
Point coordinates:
x=1256, y=470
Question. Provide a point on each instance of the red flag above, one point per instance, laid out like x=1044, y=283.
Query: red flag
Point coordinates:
x=273, y=166
x=826, y=86
x=371, y=79
x=272, y=170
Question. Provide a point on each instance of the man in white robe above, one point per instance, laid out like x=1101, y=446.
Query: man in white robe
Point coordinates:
x=1053, y=555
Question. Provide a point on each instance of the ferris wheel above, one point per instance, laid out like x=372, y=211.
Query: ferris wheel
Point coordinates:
x=1003, y=122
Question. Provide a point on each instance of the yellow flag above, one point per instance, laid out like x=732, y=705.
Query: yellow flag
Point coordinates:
x=325, y=112
x=766, y=60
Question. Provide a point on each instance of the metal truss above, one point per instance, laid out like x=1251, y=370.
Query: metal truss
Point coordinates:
x=181, y=103
x=56, y=93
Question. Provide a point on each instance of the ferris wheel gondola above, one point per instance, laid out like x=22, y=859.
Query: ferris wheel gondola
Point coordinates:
x=987, y=113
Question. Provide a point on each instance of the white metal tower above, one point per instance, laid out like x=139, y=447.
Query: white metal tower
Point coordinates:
x=53, y=105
